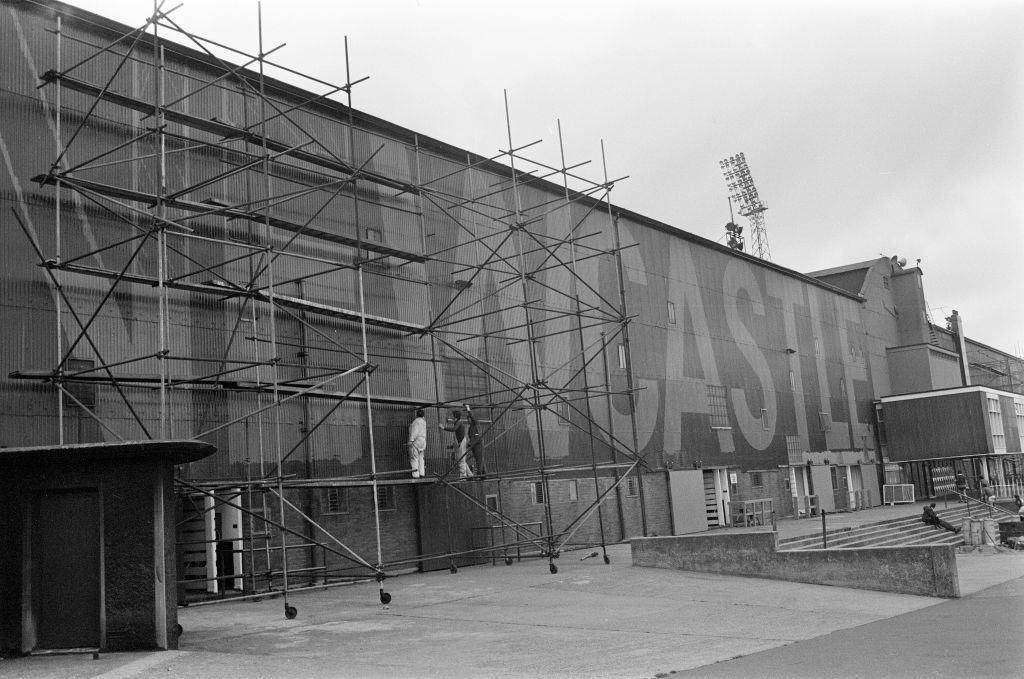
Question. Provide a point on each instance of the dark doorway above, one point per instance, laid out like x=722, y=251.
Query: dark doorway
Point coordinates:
x=65, y=569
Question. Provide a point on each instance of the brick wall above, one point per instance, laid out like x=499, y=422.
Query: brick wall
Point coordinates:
x=774, y=485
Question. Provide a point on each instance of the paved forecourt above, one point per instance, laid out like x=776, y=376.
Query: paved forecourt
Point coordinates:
x=590, y=619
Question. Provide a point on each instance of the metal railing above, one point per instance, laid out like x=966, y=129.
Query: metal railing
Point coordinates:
x=897, y=493
x=993, y=510
x=1006, y=491
x=751, y=512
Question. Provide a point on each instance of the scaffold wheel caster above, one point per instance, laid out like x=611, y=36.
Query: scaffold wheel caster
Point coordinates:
x=508, y=561
x=606, y=559
x=290, y=612
x=553, y=568
x=385, y=598
x=453, y=569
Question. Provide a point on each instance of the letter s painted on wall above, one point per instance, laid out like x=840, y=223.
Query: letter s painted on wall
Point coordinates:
x=738, y=276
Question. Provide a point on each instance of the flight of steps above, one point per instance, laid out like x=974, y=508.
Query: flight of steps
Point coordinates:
x=903, y=532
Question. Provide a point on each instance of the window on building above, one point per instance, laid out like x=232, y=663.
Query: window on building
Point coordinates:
x=385, y=498
x=671, y=313
x=792, y=381
x=718, y=407
x=334, y=501
x=756, y=481
x=85, y=392
x=622, y=356
x=562, y=409
x=1018, y=412
x=885, y=282
x=995, y=420
x=794, y=447
x=574, y=490
x=880, y=417
x=537, y=492
x=825, y=419
x=765, y=424
x=632, y=486
x=374, y=235
x=491, y=502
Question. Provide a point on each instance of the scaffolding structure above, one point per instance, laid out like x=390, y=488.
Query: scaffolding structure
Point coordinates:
x=263, y=216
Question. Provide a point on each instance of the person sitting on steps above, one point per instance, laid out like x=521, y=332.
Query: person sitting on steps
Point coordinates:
x=932, y=519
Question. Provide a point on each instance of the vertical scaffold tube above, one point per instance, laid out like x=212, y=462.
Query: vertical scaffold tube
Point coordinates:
x=625, y=342
x=531, y=344
x=579, y=333
x=57, y=224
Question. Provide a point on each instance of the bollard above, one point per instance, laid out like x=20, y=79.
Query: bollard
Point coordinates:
x=824, y=537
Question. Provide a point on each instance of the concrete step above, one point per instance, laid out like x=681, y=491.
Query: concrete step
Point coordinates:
x=887, y=536
x=952, y=515
x=909, y=530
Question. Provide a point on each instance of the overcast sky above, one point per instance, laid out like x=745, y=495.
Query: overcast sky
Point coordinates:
x=870, y=128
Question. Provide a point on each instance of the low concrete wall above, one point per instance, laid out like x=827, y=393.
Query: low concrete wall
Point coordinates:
x=926, y=570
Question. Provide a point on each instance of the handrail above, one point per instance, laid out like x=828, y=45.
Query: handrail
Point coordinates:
x=964, y=497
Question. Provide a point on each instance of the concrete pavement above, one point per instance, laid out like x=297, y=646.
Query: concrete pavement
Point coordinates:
x=588, y=620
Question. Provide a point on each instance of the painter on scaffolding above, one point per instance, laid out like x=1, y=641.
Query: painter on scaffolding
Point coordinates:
x=418, y=444
x=459, y=425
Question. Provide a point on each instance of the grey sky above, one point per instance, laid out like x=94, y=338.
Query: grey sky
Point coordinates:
x=870, y=128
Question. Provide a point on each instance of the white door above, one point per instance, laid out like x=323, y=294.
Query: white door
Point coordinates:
x=689, y=512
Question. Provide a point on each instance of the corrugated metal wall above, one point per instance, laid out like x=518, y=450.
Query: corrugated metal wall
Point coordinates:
x=735, y=320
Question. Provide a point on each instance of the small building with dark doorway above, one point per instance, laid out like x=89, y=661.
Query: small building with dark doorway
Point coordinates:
x=87, y=545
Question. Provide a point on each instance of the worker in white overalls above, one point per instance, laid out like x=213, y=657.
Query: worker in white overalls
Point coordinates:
x=418, y=444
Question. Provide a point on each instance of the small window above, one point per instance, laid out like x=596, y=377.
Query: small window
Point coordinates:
x=562, y=409
x=995, y=419
x=826, y=421
x=334, y=501
x=718, y=407
x=764, y=420
x=1018, y=413
x=374, y=235
x=880, y=418
x=385, y=498
x=622, y=356
x=491, y=501
x=632, y=486
x=537, y=492
x=885, y=282
x=574, y=490
x=85, y=392
x=671, y=313
x=755, y=480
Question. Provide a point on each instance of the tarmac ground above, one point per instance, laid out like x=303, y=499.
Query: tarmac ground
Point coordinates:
x=594, y=620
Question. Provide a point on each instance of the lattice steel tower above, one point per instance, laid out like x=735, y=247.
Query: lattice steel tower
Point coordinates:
x=743, y=194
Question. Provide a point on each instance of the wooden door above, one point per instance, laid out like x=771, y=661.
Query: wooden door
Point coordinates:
x=66, y=569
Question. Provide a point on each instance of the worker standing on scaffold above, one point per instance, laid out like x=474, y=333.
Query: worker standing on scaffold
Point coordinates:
x=460, y=426
x=418, y=444
x=476, y=457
